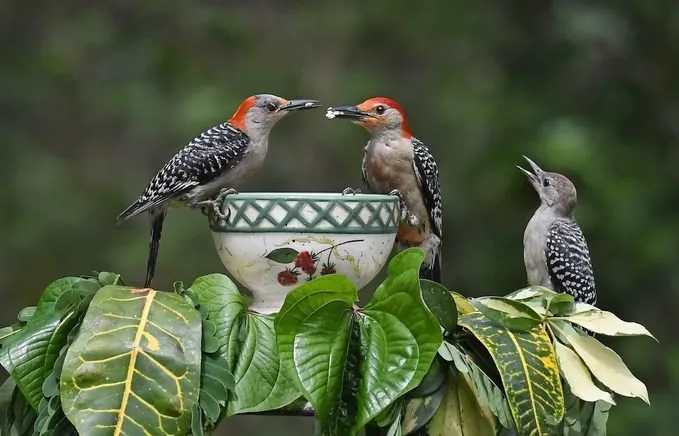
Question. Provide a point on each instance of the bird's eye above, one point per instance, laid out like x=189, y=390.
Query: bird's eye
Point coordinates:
x=270, y=107
x=379, y=110
x=545, y=182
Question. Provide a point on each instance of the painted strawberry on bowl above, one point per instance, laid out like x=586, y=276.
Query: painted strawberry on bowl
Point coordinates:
x=273, y=242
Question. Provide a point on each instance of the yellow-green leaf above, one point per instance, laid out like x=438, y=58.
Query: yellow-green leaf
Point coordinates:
x=603, y=362
x=530, y=293
x=418, y=411
x=462, y=303
x=134, y=368
x=577, y=375
x=508, y=313
x=530, y=374
x=607, y=323
x=460, y=412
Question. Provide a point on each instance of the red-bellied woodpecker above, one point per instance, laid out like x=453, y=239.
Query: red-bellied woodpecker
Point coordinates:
x=220, y=158
x=395, y=162
x=554, y=249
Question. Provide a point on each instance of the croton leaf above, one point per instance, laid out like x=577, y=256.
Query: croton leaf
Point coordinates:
x=461, y=412
x=511, y=314
x=527, y=365
x=135, y=365
x=248, y=343
x=349, y=362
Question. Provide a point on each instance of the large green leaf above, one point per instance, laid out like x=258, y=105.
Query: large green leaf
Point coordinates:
x=29, y=355
x=529, y=371
x=248, y=343
x=315, y=329
x=352, y=363
x=135, y=366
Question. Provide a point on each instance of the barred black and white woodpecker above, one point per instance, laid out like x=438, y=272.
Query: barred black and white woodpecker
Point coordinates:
x=395, y=162
x=217, y=159
x=554, y=249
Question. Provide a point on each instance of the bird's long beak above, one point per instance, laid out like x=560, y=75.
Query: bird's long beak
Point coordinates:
x=347, y=112
x=294, y=105
x=536, y=175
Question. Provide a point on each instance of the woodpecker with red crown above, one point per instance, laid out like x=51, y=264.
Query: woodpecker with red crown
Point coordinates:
x=395, y=162
x=220, y=158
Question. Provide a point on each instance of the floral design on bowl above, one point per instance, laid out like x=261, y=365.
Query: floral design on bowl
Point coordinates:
x=304, y=263
x=273, y=242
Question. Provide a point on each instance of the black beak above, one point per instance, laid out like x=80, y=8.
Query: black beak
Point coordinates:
x=536, y=175
x=294, y=105
x=347, y=112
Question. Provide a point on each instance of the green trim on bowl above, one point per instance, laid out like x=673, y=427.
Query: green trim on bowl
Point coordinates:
x=270, y=212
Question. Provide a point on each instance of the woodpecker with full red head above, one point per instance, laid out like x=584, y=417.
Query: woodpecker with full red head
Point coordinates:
x=395, y=162
x=219, y=158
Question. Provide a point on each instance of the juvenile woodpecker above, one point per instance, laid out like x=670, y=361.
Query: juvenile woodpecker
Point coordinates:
x=395, y=162
x=554, y=249
x=219, y=158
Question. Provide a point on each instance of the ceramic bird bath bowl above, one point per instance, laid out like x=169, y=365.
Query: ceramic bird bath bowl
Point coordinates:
x=272, y=242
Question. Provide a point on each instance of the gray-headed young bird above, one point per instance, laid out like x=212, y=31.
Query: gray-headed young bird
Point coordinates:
x=397, y=162
x=217, y=159
x=554, y=249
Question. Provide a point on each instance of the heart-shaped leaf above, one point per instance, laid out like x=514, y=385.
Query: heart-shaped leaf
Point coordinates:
x=246, y=341
x=349, y=363
x=135, y=366
x=29, y=355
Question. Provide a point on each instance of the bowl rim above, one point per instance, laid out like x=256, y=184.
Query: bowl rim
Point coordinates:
x=323, y=196
x=383, y=213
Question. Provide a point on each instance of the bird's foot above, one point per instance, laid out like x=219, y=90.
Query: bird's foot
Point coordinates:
x=405, y=212
x=215, y=205
x=351, y=191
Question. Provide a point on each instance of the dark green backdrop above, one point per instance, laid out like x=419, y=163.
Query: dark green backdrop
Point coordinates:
x=95, y=96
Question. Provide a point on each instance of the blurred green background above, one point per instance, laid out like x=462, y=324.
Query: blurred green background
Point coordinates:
x=96, y=96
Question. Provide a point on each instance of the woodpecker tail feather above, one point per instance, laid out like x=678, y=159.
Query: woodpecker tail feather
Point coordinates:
x=432, y=271
x=157, y=218
x=134, y=209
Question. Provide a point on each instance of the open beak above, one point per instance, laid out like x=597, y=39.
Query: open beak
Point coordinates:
x=347, y=112
x=536, y=175
x=294, y=105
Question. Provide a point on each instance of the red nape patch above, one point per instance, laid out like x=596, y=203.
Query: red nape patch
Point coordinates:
x=386, y=101
x=238, y=118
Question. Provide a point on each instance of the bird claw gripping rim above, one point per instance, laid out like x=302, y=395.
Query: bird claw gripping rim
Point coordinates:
x=215, y=206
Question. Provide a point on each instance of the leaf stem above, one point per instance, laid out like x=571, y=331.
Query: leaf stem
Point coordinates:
x=337, y=245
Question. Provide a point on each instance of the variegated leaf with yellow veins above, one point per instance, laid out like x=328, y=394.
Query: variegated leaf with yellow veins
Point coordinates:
x=527, y=364
x=135, y=366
